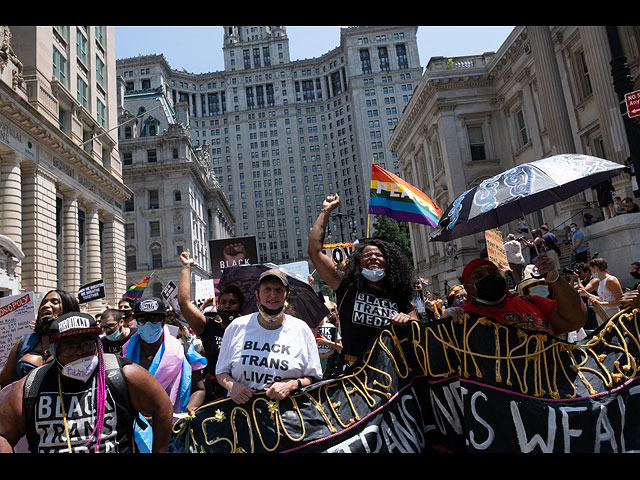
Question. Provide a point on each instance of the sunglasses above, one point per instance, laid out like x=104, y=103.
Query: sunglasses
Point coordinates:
x=69, y=349
x=150, y=319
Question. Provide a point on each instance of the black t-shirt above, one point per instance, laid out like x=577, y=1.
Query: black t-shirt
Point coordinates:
x=115, y=346
x=363, y=315
x=44, y=424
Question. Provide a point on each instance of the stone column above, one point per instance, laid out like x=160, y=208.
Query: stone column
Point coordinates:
x=93, y=255
x=598, y=55
x=39, y=243
x=114, y=271
x=554, y=109
x=11, y=195
x=71, y=243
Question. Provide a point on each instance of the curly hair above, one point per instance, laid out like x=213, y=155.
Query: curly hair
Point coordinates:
x=400, y=275
x=599, y=263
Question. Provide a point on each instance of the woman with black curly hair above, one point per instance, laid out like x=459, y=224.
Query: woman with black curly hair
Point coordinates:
x=374, y=289
x=32, y=350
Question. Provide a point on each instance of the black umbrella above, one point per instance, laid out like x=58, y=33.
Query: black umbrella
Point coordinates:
x=521, y=190
x=306, y=303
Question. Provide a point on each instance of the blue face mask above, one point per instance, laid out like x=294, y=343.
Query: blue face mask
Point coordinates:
x=114, y=336
x=373, y=275
x=150, y=331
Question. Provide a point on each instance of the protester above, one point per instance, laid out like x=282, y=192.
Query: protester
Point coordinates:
x=604, y=191
x=550, y=244
x=530, y=244
x=457, y=296
x=585, y=283
x=578, y=246
x=374, y=289
x=97, y=396
x=619, y=207
x=634, y=271
x=629, y=205
x=609, y=289
x=513, y=248
x=209, y=325
x=126, y=305
x=268, y=350
x=328, y=336
x=488, y=296
x=155, y=349
x=114, y=332
x=587, y=219
x=32, y=350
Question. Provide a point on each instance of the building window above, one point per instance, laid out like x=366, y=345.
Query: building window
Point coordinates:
x=81, y=47
x=151, y=156
x=522, y=128
x=401, y=53
x=100, y=71
x=127, y=158
x=583, y=71
x=59, y=67
x=83, y=93
x=101, y=114
x=476, y=143
x=154, y=228
x=128, y=205
x=154, y=199
x=132, y=262
x=365, y=61
x=156, y=256
x=383, y=56
x=129, y=231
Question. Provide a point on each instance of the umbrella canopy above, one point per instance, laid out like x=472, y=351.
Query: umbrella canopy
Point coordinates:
x=307, y=304
x=521, y=190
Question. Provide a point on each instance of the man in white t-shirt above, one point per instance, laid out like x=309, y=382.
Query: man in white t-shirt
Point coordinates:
x=268, y=350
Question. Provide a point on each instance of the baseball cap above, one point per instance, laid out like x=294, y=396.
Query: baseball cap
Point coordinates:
x=150, y=306
x=274, y=272
x=73, y=323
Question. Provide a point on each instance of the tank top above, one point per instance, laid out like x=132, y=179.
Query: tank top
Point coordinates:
x=45, y=430
x=604, y=295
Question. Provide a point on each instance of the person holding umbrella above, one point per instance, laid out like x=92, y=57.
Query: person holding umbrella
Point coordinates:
x=268, y=350
x=488, y=296
x=373, y=291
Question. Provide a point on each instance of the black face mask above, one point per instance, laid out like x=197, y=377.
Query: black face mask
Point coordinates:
x=635, y=274
x=228, y=316
x=491, y=289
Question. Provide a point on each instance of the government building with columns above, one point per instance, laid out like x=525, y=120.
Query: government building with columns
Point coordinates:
x=61, y=188
x=547, y=90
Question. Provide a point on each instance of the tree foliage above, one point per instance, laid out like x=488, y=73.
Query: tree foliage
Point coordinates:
x=393, y=231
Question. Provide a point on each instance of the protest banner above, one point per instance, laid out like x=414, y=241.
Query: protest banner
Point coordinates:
x=91, y=291
x=17, y=312
x=205, y=289
x=227, y=252
x=470, y=385
x=338, y=252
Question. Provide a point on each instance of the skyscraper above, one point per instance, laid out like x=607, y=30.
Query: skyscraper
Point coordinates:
x=283, y=134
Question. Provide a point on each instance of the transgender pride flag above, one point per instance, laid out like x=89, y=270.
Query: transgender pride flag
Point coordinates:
x=395, y=198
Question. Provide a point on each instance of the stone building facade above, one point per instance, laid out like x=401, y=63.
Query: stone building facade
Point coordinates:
x=282, y=134
x=547, y=90
x=61, y=189
x=177, y=203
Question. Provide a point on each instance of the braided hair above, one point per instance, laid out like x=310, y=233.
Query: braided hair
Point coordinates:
x=399, y=276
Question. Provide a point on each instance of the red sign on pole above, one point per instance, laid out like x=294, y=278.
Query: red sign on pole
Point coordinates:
x=632, y=100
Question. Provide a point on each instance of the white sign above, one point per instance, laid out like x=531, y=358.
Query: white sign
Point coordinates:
x=17, y=313
x=205, y=289
x=632, y=100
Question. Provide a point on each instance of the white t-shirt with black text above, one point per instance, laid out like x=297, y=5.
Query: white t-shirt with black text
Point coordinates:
x=257, y=357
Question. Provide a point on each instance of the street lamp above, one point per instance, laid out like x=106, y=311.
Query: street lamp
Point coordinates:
x=340, y=216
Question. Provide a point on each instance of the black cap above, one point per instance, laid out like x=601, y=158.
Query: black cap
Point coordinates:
x=150, y=306
x=73, y=323
x=274, y=272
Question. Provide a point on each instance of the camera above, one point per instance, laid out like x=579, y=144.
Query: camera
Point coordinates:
x=569, y=271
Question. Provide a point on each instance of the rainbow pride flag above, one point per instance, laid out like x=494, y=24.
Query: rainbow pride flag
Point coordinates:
x=395, y=198
x=135, y=291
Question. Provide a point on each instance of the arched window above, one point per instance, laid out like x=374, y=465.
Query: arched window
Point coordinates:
x=131, y=257
x=156, y=255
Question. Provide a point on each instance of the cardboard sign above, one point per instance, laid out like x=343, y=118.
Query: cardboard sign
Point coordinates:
x=495, y=248
x=17, y=312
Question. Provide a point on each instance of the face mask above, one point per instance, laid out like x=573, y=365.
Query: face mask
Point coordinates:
x=228, y=316
x=573, y=229
x=114, y=336
x=150, y=331
x=595, y=275
x=80, y=369
x=269, y=314
x=635, y=274
x=458, y=301
x=541, y=291
x=491, y=290
x=373, y=275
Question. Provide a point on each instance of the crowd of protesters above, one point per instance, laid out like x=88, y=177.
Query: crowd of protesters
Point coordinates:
x=138, y=365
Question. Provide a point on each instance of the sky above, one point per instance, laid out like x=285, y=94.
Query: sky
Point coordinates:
x=198, y=49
